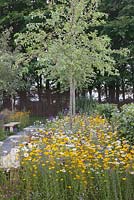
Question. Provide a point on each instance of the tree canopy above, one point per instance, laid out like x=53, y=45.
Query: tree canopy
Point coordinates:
x=72, y=50
x=60, y=39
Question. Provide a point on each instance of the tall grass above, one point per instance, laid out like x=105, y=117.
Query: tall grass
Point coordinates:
x=85, y=105
x=60, y=165
x=48, y=185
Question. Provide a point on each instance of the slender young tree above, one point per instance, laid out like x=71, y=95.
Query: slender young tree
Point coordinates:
x=67, y=43
x=10, y=78
x=78, y=50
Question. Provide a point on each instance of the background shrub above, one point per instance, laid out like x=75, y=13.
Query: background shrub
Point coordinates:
x=4, y=118
x=125, y=122
x=5, y=115
x=22, y=117
x=106, y=110
x=91, y=107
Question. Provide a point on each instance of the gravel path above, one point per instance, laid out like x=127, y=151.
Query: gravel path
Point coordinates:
x=9, y=147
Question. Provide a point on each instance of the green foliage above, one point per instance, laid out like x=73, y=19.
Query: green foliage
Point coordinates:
x=13, y=12
x=106, y=110
x=14, y=15
x=4, y=118
x=49, y=185
x=125, y=122
x=119, y=28
x=5, y=115
x=73, y=166
x=4, y=134
x=85, y=105
x=61, y=39
x=22, y=117
x=9, y=74
x=68, y=49
x=76, y=53
x=91, y=107
x=35, y=119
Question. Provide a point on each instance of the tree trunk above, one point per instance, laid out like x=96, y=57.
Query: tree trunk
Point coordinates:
x=47, y=84
x=48, y=92
x=23, y=99
x=123, y=90
x=58, y=86
x=112, y=92
x=71, y=102
x=132, y=69
x=39, y=87
x=6, y=101
x=83, y=93
x=106, y=92
x=73, y=98
x=117, y=91
x=12, y=101
x=99, y=93
x=133, y=91
x=90, y=91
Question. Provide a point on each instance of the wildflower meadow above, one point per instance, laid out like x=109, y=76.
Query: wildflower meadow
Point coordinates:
x=89, y=162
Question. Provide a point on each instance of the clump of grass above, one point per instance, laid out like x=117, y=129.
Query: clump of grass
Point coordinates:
x=85, y=105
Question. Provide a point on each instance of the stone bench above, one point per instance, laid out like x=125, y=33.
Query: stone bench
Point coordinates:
x=11, y=127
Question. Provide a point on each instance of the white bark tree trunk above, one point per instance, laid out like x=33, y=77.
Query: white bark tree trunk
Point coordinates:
x=72, y=100
x=73, y=97
x=12, y=102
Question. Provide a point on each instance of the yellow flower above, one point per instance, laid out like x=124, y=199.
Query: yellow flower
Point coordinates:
x=78, y=154
x=69, y=187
